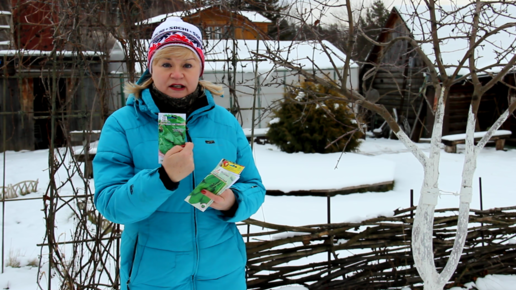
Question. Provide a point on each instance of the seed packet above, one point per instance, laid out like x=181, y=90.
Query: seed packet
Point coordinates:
x=171, y=132
x=221, y=178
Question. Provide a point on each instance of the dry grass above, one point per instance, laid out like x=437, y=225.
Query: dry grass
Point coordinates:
x=13, y=260
x=33, y=263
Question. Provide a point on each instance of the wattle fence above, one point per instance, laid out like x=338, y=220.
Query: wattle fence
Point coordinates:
x=376, y=253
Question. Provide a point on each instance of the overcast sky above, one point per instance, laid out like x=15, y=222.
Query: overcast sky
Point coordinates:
x=330, y=11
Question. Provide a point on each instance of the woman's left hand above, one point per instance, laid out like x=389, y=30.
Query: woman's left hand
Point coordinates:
x=221, y=202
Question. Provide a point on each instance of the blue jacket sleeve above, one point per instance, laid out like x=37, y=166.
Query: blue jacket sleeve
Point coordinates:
x=249, y=190
x=121, y=195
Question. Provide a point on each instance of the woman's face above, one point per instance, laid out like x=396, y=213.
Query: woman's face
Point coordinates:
x=175, y=76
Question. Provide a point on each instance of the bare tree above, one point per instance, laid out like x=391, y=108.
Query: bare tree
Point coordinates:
x=473, y=28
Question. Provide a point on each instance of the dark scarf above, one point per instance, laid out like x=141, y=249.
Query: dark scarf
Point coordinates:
x=167, y=104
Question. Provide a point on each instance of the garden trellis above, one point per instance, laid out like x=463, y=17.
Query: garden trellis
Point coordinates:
x=56, y=80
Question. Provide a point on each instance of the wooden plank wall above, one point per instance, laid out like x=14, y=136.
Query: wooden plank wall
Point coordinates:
x=493, y=104
x=84, y=106
x=399, y=76
x=243, y=28
x=17, y=128
x=400, y=90
x=25, y=109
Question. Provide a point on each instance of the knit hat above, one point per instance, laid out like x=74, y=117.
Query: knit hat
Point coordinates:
x=174, y=31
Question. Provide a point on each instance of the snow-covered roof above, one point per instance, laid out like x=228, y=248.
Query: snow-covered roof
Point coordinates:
x=454, y=30
x=308, y=54
x=30, y=52
x=456, y=137
x=303, y=53
x=253, y=16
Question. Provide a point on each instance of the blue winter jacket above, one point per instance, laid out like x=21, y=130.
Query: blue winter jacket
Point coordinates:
x=166, y=242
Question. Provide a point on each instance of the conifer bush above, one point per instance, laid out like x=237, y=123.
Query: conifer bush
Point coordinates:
x=301, y=124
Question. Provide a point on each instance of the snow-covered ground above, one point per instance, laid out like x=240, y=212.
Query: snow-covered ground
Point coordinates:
x=377, y=160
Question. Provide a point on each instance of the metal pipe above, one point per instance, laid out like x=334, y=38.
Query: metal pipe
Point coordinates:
x=411, y=203
x=53, y=189
x=481, y=208
x=46, y=117
x=412, y=223
x=260, y=108
x=255, y=93
x=78, y=241
x=328, y=211
x=39, y=198
x=4, y=140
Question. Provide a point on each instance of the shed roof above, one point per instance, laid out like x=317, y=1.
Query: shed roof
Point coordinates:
x=32, y=52
x=253, y=16
x=454, y=30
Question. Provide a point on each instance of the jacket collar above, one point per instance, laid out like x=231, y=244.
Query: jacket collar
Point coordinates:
x=145, y=105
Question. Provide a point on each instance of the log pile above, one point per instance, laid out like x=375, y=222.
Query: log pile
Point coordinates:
x=376, y=253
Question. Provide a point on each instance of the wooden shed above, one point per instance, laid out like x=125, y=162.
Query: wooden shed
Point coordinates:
x=394, y=77
x=47, y=90
x=494, y=102
x=216, y=23
x=39, y=97
x=34, y=24
x=399, y=83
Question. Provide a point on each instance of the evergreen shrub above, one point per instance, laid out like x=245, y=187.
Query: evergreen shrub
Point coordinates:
x=301, y=124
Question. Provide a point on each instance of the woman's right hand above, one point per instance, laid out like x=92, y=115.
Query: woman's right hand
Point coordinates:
x=179, y=162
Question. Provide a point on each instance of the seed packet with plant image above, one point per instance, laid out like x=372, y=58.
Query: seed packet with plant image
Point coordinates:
x=221, y=178
x=171, y=132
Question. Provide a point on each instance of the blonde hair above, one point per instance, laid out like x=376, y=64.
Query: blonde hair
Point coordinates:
x=175, y=52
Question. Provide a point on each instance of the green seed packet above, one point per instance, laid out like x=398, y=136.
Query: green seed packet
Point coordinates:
x=221, y=178
x=171, y=132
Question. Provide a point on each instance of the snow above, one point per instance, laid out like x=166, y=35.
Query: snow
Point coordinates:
x=456, y=137
x=31, y=52
x=253, y=16
x=308, y=54
x=376, y=158
x=257, y=131
x=304, y=169
x=86, y=131
x=274, y=121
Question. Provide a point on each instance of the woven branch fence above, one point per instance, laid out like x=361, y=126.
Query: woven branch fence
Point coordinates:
x=376, y=253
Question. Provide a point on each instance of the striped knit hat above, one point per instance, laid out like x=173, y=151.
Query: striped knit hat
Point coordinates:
x=174, y=31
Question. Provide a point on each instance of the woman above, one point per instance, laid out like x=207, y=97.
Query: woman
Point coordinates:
x=166, y=242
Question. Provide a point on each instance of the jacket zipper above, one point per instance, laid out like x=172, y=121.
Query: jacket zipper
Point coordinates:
x=196, y=264
x=132, y=264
